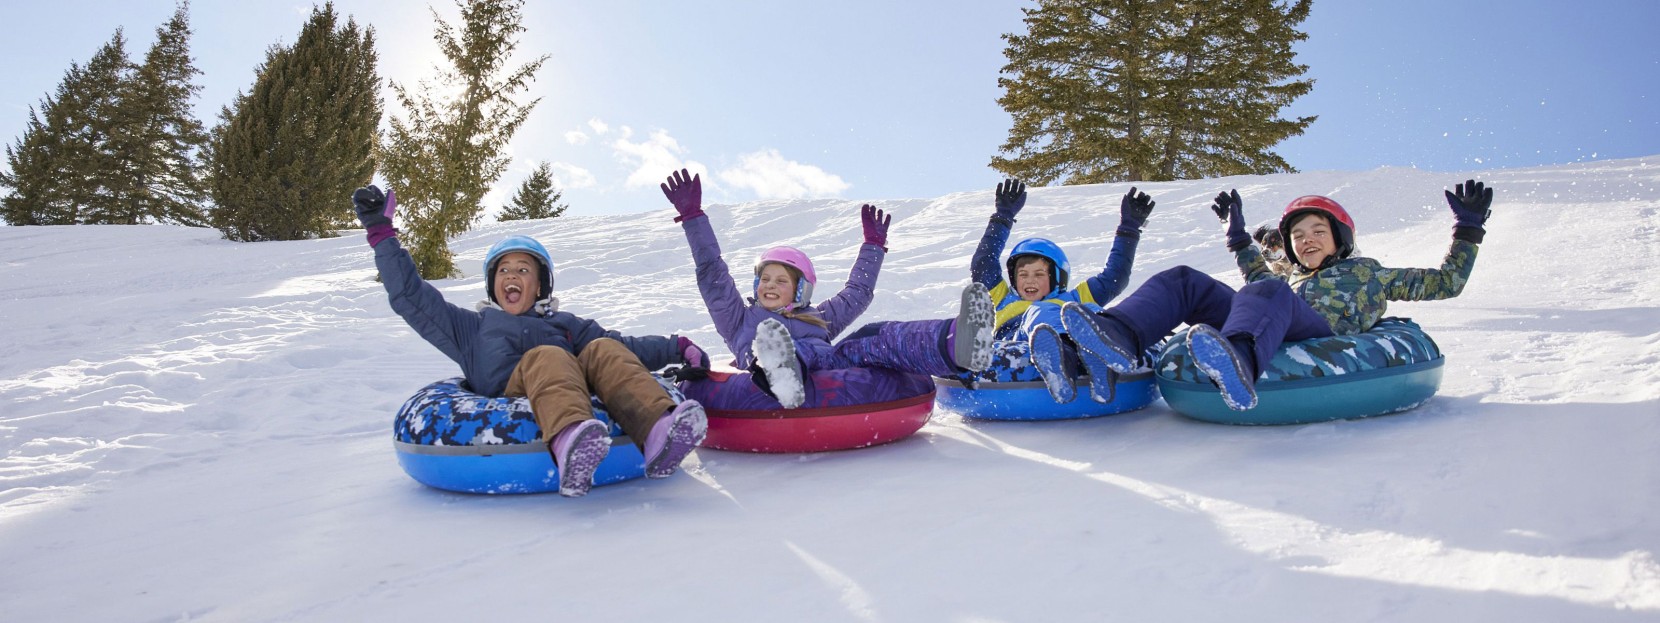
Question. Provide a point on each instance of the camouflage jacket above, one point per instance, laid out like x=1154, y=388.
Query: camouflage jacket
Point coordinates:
x=1354, y=292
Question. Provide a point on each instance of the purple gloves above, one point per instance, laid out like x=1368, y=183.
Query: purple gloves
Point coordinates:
x=1231, y=210
x=1471, y=205
x=685, y=191
x=876, y=225
x=375, y=210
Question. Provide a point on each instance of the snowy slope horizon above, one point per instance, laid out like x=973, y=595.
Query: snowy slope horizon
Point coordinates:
x=196, y=429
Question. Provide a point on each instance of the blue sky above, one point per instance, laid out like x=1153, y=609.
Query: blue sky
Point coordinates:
x=869, y=100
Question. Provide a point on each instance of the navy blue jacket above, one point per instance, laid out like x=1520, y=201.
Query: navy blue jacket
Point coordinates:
x=488, y=344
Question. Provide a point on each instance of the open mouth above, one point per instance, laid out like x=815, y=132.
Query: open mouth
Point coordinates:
x=514, y=294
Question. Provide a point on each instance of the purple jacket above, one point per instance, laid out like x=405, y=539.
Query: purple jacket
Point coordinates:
x=736, y=318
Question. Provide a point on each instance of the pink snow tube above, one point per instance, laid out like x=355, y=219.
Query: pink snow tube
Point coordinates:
x=845, y=409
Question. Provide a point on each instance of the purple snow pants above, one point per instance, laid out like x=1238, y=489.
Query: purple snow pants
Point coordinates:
x=1267, y=312
x=917, y=347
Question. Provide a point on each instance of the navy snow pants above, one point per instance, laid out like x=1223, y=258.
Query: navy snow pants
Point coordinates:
x=1266, y=312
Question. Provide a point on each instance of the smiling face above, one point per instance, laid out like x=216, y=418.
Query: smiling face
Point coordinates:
x=518, y=282
x=1312, y=239
x=777, y=287
x=1032, y=278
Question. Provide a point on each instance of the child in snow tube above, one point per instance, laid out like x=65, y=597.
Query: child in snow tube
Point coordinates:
x=1029, y=289
x=518, y=343
x=781, y=337
x=1329, y=293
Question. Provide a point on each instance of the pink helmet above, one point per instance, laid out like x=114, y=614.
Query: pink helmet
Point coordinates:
x=793, y=258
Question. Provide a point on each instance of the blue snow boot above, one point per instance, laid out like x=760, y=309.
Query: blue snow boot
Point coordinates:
x=1096, y=340
x=1217, y=359
x=1053, y=362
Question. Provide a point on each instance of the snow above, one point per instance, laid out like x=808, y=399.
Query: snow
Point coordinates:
x=195, y=429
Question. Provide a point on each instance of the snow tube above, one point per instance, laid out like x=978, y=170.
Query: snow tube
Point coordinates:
x=845, y=409
x=1393, y=367
x=450, y=438
x=1029, y=400
x=1011, y=389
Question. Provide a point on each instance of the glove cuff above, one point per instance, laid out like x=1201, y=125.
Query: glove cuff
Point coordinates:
x=689, y=215
x=1129, y=232
x=1472, y=235
x=1006, y=220
x=1235, y=245
x=380, y=232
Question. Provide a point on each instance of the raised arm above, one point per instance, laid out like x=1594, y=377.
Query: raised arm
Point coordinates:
x=1133, y=211
x=1231, y=210
x=420, y=304
x=842, y=309
x=1471, y=205
x=985, y=270
x=714, y=279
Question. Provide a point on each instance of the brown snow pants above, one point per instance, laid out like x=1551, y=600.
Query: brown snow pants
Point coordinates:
x=558, y=385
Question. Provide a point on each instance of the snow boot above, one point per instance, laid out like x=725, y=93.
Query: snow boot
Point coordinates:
x=775, y=354
x=1049, y=354
x=1217, y=359
x=1096, y=341
x=673, y=437
x=577, y=452
x=971, y=345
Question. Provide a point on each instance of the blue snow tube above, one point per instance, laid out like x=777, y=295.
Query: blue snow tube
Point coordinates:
x=1393, y=367
x=451, y=438
x=1029, y=400
x=1011, y=389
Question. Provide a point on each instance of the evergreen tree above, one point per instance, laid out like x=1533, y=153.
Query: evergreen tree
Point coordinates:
x=1131, y=90
x=154, y=143
x=536, y=199
x=446, y=154
x=57, y=166
x=286, y=154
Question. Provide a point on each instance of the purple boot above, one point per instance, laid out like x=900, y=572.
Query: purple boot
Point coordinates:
x=577, y=452
x=673, y=437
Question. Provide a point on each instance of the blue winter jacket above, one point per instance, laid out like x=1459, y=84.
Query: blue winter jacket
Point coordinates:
x=1015, y=316
x=488, y=344
x=736, y=318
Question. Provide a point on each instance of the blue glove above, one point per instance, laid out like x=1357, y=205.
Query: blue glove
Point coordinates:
x=1133, y=211
x=1471, y=205
x=1231, y=210
x=1011, y=197
x=685, y=191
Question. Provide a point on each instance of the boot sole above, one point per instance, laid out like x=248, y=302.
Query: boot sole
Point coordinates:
x=775, y=351
x=1214, y=356
x=1084, y=333
x=576, y=475
x=1050, y=360
x=685, y=433
x=977, y=315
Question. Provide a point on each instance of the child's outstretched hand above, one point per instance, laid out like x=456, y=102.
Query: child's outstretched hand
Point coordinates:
x=875, y=224
x=685, y=191
x=1133, y=211
x=1231, y=210
x=1471, y=205
x=375, y=210
x=1011, y=197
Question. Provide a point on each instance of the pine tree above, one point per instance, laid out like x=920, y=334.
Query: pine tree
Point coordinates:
x=443, y=158
x=536, y=199
x=57, y=166
x=287, y=154
x=1130, y=90
x=154, y=142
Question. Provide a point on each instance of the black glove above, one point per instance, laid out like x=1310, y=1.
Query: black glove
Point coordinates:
x=1231, y=210
x=1133, y=211
x=1011, y=197
x=371, y=208
x=1471, y=205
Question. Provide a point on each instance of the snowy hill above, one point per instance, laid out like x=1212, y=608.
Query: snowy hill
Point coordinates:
x=194, y=429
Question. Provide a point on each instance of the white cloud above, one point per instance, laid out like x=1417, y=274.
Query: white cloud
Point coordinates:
x=652, y=159
x=598, y=126
x=576, y=137
x=772, y=176
x=568, y=176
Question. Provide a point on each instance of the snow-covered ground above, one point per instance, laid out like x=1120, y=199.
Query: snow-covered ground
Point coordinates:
x=195, y=429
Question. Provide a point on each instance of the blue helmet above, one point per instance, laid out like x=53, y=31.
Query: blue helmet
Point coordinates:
x=517, y=244
x=1045, y=249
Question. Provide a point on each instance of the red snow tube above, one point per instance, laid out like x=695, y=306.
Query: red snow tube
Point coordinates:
x=845, y=409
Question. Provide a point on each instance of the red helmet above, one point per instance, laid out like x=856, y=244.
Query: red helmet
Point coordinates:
x=1344, y=226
